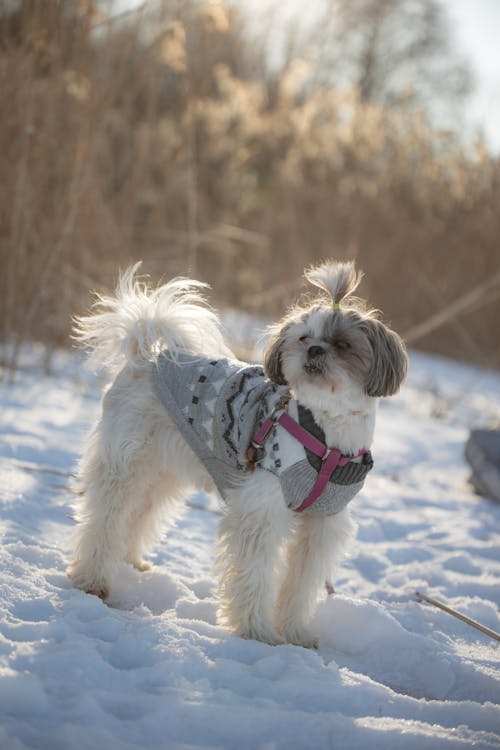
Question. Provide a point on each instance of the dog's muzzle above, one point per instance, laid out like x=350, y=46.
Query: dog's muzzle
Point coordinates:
x=315, y=357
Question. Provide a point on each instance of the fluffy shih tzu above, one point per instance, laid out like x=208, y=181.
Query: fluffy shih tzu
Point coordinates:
x=286, y=445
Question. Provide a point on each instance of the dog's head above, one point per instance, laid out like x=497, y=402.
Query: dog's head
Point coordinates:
x=335, y=345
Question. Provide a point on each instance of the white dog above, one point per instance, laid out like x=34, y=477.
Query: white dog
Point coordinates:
x=287, y=445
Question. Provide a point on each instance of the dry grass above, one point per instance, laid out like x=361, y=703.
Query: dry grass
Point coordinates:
x=160, y=138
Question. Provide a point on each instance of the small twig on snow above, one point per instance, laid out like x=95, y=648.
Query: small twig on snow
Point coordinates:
x=464, y=618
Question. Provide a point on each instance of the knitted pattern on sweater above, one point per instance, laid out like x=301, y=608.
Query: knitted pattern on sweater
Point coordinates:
x=218, y=405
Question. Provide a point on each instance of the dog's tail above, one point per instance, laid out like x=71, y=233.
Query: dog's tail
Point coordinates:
x=131, y=327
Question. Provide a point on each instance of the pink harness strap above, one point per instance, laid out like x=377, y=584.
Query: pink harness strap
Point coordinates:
x=303, y=436
x=331, y=457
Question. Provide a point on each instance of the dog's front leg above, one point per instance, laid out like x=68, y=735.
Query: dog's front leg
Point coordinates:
x=248, y=557
x=311, y=556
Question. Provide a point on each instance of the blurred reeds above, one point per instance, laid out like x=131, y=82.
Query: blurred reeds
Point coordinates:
x=162, y=136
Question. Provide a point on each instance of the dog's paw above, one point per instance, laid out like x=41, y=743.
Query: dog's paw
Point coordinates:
x=300, y=637
x=141, y=565
x=100, y=590
x=264, y=634
x=96, y=588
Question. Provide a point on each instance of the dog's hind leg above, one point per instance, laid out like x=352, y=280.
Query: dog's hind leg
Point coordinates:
x=162, y=501
x=102, y=531
x=248, y=556
x=116, y=479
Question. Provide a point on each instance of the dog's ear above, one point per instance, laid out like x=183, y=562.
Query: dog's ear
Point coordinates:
x=272, y=357
x=390, y=360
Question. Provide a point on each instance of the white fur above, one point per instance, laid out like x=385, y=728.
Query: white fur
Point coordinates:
x=272, y=563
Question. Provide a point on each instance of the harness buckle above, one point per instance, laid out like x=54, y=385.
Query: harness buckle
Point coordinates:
x=255, y=454
x=256, y=450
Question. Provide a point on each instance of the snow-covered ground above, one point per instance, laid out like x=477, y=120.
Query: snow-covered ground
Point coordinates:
x=156, y=671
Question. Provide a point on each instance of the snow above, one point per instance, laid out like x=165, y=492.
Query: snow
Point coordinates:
x=156, y=671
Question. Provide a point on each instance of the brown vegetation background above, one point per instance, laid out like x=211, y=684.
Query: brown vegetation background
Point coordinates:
x=163, y=134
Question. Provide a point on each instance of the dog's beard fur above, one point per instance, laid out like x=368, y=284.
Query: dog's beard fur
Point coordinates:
x=137, y=466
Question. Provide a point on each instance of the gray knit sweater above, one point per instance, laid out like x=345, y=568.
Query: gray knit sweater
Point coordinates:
x=218, y=406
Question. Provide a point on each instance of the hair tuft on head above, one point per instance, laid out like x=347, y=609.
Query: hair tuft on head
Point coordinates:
x=339, y=280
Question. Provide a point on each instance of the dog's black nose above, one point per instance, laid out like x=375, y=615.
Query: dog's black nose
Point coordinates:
x=315, y=351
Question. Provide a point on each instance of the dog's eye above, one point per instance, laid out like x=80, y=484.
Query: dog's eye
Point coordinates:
x=342, y=345
x=303, y=338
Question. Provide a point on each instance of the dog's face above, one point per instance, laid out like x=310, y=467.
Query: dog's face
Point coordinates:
x=338, y=351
